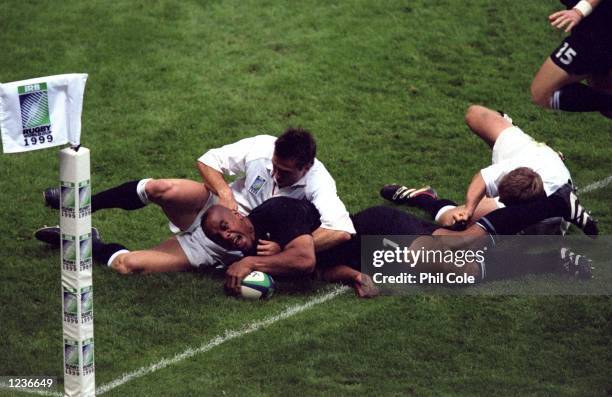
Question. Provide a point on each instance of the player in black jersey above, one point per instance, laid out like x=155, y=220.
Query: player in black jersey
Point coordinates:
x=286, y=221
x=585, y=54
x=289, y=222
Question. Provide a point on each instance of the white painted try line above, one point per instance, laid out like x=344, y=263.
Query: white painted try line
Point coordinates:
x=227, y=336
x=596, y=185
x=216, y=341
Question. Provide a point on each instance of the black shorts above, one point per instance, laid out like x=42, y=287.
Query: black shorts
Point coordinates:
x=588, y=50
x=375, y=221
x=578, y=56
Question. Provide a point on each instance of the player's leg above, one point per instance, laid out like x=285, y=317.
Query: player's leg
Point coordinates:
x=557, y=83
x=180, y=199
x=166, y=257
x=486, y=123
x=603, y=83
x=512, y=260
x=425, y=198
x=548, y=80
x=445, y=242
x=563, y=203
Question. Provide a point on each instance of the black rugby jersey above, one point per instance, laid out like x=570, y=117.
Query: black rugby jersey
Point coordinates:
x=282, y=219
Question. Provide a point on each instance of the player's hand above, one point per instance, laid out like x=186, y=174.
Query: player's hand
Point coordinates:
x=457, y=215
x=228, y=203
x=364, y=286
x=267, y=247
x=461, y=214
x=236, y=273
x=565, y=18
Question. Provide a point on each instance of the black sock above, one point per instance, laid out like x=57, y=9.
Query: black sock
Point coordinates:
x=511, y=220
x=430, y=204
x=578, y=97
x=102, y=251
x=123, y=196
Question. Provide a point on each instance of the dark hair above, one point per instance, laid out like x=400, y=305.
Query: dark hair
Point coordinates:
x=520, y=185
x=296, y=144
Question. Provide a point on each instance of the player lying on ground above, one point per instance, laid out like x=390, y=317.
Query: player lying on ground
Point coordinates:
x=585, y=55
x=232, y=231
x=521, y=170
x=272, y=167
x=296, y=254
x=290, y=222
x=343, y=262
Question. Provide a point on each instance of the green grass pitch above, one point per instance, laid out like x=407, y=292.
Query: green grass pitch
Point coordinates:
x=383, y=86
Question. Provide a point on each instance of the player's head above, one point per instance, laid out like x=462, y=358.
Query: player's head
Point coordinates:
x=520, y=185
x=294, y=154
x=228, y=228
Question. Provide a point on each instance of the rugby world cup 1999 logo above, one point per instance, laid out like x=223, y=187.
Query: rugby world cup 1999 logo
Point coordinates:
x=35, y=121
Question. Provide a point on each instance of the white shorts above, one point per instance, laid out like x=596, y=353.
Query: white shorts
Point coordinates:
x=510, y=143
x=199, y=249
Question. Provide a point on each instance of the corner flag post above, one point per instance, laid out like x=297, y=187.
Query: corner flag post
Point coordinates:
x=76, y=259
x=37, y=114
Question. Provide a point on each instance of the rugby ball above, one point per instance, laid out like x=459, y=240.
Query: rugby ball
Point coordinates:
x=257, y=285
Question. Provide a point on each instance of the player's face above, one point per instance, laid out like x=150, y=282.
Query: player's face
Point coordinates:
x=230, y=229
x=286, y=172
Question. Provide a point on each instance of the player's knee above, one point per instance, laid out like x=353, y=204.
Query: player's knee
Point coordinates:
x=159, y=189
x=475, y=115
x=539, y=96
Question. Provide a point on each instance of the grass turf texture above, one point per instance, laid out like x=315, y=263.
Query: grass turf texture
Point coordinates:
x=384, y=88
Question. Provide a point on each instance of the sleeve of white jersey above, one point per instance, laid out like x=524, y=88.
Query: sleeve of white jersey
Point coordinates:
x=232, y=159
x=323, y=195
x=493, y=174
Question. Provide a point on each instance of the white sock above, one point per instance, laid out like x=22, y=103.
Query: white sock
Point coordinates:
x=140, y=189
x=442, y=210
x=113, y=256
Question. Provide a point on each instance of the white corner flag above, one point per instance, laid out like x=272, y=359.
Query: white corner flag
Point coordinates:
x=42, y=112
x=37, y=114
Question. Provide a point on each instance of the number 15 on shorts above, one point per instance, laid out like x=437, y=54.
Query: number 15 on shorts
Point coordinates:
x=566, y=54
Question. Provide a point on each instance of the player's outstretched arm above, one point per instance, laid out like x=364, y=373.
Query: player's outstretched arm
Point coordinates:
x=297, y=257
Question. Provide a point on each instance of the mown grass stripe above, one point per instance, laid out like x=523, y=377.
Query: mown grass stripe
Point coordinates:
x=220, y=339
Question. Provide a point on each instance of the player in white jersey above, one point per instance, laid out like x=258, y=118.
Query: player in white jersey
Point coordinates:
x=277, y=167
x=269, y=167
x=512, y=149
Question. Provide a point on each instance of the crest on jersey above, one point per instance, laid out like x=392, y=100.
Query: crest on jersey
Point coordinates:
x=257, y=184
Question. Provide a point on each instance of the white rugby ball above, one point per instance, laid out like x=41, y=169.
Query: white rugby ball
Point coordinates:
x=257, y=285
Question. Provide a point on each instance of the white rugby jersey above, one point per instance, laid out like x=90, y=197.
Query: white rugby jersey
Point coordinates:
x=252, y=158
x=540, y=158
